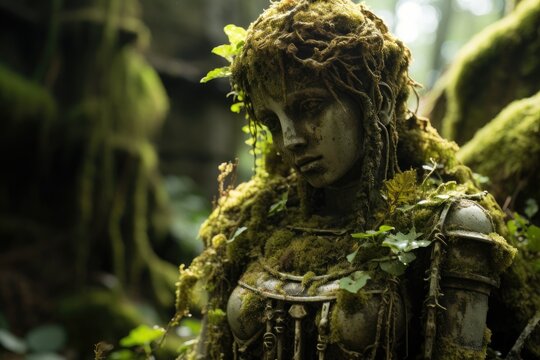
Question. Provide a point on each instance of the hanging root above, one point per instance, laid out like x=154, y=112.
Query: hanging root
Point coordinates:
x=434, y=277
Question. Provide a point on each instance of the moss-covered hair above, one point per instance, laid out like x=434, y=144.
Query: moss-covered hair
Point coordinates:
x=352, y=52
x=344, y=45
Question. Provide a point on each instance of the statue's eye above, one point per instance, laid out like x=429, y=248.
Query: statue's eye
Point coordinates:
x=271, y=121
x=311, y=106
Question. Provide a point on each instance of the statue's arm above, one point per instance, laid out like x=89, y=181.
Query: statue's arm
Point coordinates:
x=468, y=273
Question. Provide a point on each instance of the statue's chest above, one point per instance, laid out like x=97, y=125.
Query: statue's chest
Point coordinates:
x=275, y=315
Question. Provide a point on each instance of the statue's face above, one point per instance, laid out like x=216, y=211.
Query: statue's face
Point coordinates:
x=316, y=134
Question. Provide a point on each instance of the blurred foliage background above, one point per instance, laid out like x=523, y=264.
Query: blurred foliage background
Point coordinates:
x=109, y=148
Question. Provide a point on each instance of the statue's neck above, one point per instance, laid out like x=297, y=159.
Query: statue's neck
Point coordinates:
x=341, y=200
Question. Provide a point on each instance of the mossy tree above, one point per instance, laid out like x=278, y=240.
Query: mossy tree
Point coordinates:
x=81, y=196
x=496, y=67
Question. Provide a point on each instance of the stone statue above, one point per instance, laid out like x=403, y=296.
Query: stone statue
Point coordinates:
x=364, y=238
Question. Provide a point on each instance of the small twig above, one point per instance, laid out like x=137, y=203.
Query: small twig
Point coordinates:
x=514, y=353
x=319, y=231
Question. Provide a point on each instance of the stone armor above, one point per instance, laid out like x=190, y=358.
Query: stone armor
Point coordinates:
x=299, y=323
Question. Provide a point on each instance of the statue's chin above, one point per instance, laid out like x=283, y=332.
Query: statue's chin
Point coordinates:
x=318, y=181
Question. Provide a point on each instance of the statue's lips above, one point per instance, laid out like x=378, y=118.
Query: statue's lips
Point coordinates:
x=308, y=163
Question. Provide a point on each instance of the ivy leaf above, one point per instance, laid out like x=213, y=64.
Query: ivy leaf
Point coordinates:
x=401, y=190
x=400, y=242
x=217, y=73
x=393, y=267
x=531, y=208
x=383, y=229
x=354, y=282
x=406, y=258
x=533, y=236
x=142, y=335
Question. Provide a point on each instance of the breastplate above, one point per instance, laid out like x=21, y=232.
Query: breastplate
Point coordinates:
x=300, y=323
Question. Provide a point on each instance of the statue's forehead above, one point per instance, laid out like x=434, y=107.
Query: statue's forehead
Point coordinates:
x=278, y=84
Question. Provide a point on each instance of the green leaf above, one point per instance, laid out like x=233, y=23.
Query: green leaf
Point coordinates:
x=512, y=227
x=443, y=196
x=521, y=222
x=406, y=258
x=12, y=343
x=226, y=51
x=236, y=34
x=351, y=256
x=481, y=179
x=187, y=346
x=123, y=354
x=354, y=282
x=531, y=208
x=393, y=267
x=46, y=338
x=383, y=229
x=189, y=328
x=533, y=236
x=142, y=335
x=217, y=73
x=400, y=242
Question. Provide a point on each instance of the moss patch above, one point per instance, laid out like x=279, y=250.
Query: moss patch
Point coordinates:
x=498, y=66
x=514, y=134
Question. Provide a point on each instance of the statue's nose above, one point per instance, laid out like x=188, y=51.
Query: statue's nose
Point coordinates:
x=293, y=138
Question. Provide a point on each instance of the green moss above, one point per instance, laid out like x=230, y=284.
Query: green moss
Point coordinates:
x=351, y=303
x=184, y=288
x=447, y=349
x=513, y=134
x=216, y=317
x=502, y=253
x=498, y=66
x=307, y=279
x=310, y=253
x=419, y=142
x=252, y=309
x=23, y=100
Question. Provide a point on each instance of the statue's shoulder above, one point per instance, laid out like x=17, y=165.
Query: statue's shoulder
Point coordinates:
x=473, y=246
x=237, y=205
x=466, y=218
